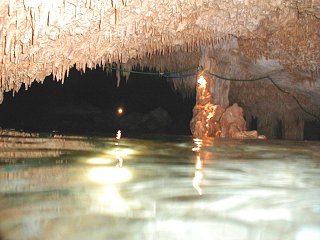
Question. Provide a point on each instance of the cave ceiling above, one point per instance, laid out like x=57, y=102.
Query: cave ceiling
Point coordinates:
x=240, y=37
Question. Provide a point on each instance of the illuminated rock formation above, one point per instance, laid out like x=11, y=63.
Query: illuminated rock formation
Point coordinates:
x=213, y=120
x=246, y=38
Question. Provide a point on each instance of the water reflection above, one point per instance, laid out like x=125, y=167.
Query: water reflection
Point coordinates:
x=251, y=190
x=99, y=161
x=107, y=199
x=198, y=172
x=109, y=175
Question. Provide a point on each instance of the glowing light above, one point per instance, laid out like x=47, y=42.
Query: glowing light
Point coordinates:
x=198, y=146
x=202, y=81
x=99, y=161
x=120, y=111
x=109, y=175
x=118, y=136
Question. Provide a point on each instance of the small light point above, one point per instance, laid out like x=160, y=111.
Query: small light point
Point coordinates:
x=120, y=111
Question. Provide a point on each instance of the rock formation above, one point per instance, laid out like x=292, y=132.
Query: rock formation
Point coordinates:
x=244, y=39
x=156, y=121
x=213, y=120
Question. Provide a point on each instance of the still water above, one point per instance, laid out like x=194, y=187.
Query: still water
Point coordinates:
x=166, y=187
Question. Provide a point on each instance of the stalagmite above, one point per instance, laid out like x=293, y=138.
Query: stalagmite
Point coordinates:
x=213, y=120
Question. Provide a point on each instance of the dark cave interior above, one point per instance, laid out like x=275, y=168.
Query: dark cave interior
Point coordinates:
x=88, y=102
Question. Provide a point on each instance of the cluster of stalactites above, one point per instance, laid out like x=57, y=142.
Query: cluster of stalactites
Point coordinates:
x=299, y=52
x=39, y=38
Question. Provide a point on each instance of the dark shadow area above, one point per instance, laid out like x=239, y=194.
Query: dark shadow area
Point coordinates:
x=311, y=130
x=88, y=103
x=254, y=123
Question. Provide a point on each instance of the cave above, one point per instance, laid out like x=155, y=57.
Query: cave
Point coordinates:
x=169, y=119
x=40, y=39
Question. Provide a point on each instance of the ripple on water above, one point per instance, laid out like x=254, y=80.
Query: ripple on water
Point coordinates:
x=58, y=187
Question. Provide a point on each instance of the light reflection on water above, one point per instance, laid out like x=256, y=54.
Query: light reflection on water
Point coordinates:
x=158, y=188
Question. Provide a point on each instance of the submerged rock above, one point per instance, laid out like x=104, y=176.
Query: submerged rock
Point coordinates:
x=156, y=121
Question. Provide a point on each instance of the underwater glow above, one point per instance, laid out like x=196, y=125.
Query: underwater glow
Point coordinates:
x=109, y=175
x=202, y=81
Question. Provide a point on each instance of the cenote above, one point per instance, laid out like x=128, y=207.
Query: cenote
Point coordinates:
x=159, y=120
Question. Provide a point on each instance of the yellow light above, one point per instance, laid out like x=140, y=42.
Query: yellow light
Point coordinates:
x=120, y=111
x=202, y=81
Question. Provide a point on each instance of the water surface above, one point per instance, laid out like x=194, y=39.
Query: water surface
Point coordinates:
x=162, y=187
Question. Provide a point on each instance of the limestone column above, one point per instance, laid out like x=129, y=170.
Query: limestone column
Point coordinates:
x=220, y=91
x=218, y=88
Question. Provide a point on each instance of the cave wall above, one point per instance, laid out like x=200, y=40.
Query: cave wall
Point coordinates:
x=281, y=96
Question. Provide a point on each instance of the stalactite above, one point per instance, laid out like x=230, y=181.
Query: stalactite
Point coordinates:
x=10, y=7
x=118, y=75
x=10, y=32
